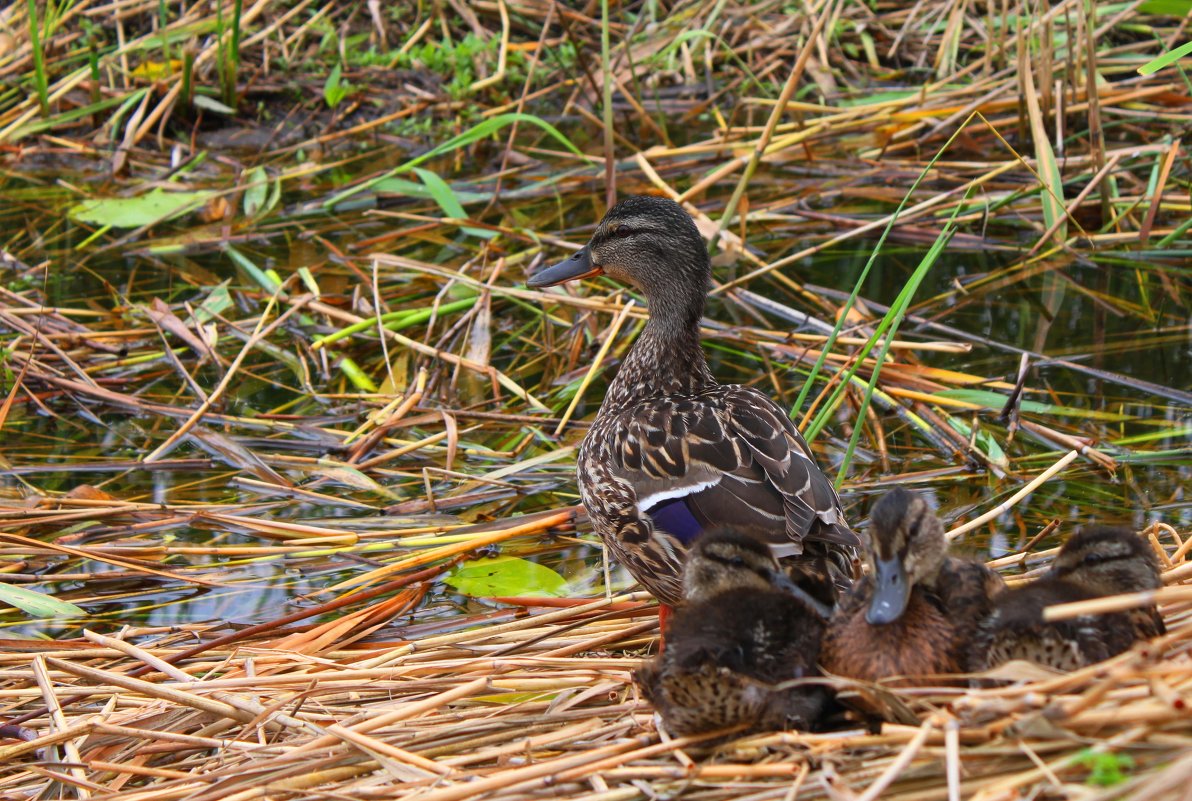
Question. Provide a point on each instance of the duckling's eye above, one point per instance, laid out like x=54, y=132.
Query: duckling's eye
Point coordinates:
x=1095, y=559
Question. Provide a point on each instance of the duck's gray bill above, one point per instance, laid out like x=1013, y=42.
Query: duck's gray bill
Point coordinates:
x=891, y=591
x=578, y=266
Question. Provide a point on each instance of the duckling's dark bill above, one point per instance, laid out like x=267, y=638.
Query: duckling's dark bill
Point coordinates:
x=578, y=266
x=891, y=592
x=784, y=583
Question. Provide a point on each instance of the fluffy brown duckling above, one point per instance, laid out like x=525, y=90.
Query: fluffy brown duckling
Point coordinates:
x=745, y=628
x=1098, y=561
x=916, y=611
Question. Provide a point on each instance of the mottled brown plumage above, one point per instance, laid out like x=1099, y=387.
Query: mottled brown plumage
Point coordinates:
x=673, y=453
x=915, y=613
x=1098, y=561
x=744, y=629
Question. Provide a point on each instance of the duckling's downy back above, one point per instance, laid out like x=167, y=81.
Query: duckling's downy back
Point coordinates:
x=747, y=628
x=1098, y=561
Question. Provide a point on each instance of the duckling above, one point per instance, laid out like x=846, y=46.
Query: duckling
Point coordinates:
x=916, y=611
x=745, y=628
x=1098, y=561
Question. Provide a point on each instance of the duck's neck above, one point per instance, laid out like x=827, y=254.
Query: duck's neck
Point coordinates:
x=666, y=359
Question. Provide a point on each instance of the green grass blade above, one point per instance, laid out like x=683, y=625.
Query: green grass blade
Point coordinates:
x=817, y=368
x=473, y=134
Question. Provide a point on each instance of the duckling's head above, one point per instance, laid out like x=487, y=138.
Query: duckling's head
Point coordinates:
x=724, y=560
x=649, y=243
x=1108, y=560
x=906, y=546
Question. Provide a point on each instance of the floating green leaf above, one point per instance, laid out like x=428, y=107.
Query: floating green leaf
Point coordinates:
x=506, y=576
x=216, y=303
x=154, y=206
x=334, y=89
x=984, y=441
x=995, y=401
x=36, y=604
x=262, y=277
x=477, y=132
x=407, y=188
x=358, y=377
x=443, y=194
x=257, y=191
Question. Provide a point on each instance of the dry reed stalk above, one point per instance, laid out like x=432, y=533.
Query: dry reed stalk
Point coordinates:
x=1001, y=508
x=609, y=338
x=624, y=761
x=1118, y=603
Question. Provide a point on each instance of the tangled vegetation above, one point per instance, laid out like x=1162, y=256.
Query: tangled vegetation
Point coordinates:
x=288, y=506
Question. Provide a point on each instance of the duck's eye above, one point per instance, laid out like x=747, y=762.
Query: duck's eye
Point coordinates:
x=736, y=561
x=620, y=232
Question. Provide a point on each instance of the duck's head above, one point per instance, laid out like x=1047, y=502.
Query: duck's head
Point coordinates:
x=906, y=546
x=1108, y=560
x=647, y=242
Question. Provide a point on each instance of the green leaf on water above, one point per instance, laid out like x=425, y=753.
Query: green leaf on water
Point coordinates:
x=334, y=89
x=36, y=604
x=263, y=279
x=479, y=131
x=985, y=441
x=995, y=401
x=443, y=194
x=360, y=379
x=506, y=576
x=257, y=191
x=404, y=187
x=154, y=206
x=216, y=303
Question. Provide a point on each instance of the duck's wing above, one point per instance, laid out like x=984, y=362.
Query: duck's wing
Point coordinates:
x=727, y=457
x=810, y=506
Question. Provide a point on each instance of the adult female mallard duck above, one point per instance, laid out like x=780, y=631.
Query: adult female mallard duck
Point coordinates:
x=746, y=627
x=1098, y=561
x=672, y=452
x=917, y=610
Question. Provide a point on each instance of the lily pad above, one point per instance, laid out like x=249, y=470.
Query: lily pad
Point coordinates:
x=154, y=206
x=506, y=576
